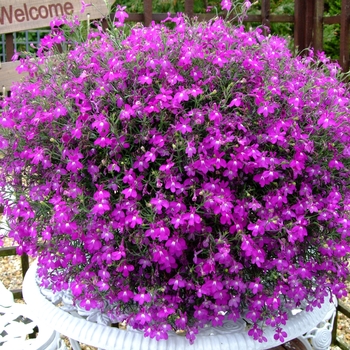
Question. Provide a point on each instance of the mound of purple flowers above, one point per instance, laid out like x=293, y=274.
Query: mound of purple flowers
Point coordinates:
x=175, y=177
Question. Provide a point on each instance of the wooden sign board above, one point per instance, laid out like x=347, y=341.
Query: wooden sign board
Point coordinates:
x=9, y=75
x=20, y=15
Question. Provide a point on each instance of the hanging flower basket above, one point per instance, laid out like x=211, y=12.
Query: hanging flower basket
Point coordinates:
x=180, y=175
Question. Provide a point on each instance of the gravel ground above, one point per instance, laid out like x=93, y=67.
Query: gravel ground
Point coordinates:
x=11, y=277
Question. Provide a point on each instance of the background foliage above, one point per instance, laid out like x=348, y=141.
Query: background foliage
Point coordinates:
x=331, y=33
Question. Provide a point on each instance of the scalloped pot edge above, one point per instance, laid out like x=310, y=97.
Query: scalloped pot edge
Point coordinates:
x=18, y=15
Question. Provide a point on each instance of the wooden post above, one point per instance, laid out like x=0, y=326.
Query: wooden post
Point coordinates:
x=10, y=48
x=318, y=25
x=309, y=23
x=147, y=12
x=299, y=25
x=189, y=8
x=25, y=264
x=344, y=35
x=306, y=30
x=335, y=328
x=265, y=14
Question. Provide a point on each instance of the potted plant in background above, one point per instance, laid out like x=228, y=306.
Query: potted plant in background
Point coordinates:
x=177, y=176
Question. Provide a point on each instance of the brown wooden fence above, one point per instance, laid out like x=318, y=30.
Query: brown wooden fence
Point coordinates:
x=308, y=23
x=11, y=251
x=345, y=310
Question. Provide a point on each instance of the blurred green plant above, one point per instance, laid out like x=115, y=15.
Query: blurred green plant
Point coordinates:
x=23, y=42
x=173, y=6
x=331, y=32
x=278, y=7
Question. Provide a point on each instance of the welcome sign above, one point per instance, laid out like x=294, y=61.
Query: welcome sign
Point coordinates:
x=19, y=15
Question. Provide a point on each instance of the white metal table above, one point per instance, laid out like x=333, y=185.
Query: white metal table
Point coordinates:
x=16, y=323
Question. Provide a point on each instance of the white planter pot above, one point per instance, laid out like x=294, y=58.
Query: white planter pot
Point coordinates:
x=231, y=336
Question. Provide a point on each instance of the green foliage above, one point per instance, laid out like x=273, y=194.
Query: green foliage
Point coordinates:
x=27, y=41
x=282, y=7
x=331, y=32
x=159, y=6
x=173, y=6
x=23, y=41
x=279, y=7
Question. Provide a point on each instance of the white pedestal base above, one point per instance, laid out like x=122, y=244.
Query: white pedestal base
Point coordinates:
x=231, y=336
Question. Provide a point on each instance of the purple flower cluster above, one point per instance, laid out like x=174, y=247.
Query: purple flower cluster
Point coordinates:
x=175, y=177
